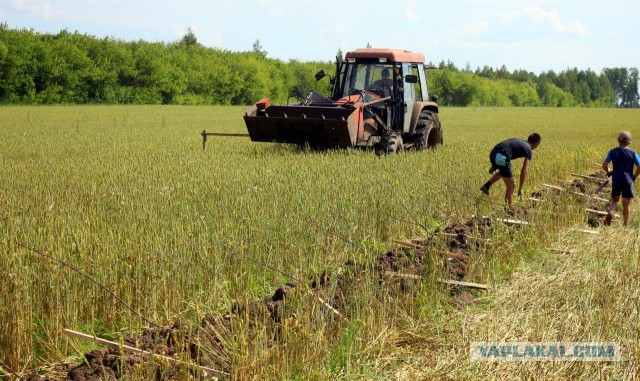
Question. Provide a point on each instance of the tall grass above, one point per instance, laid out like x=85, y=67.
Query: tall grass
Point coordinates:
x=127, y=195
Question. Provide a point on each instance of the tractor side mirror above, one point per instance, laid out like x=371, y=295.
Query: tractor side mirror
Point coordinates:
x=411, y=78
x=295, y=93
x=321, y=74
x=433, y=98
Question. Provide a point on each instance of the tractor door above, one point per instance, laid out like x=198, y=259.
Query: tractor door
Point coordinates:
x=409, y=96
x=412, y=91
x=423, y=83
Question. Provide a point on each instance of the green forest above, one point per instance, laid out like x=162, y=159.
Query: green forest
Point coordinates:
x=74, y=68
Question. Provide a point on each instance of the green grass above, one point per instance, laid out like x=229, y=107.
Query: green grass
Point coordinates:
x=127, y=195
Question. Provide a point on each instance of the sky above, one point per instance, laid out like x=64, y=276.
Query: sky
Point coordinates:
x=532, y=35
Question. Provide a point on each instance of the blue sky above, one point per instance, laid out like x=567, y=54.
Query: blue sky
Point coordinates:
x=532, y=35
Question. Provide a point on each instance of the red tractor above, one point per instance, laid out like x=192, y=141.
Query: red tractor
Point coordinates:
x=378, y=99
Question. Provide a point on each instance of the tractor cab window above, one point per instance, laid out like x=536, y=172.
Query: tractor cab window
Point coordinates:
x=377, y=78
x=415, y=70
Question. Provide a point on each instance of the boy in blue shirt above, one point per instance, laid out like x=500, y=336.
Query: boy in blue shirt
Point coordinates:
x=622, y=176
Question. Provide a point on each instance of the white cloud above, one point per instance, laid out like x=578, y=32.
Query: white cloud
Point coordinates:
x=617, y=32
x=329, y=37
x=179, y=31
x=411, y=12
x=279, y=9
x=40, y=8
x=551, y=18
x=280, y=12
x=322, y=31
x=337, y=30
x=94, y=3
x=540, y=14
x=474, y=29
x=341, y=29
x=572, y=27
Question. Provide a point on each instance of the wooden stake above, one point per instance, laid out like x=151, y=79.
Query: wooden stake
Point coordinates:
x=553, y=187
x=455, y=235
x=512, y=222
x=447, y=281
x=586, y=177
x=587, y=231
x=402, y=275
x=408, y=244
x=591, y=197
x=600, y=213
x=465, y=284
x=333, y=310
x=561, y=251
x=208, y=372
x=458, y=256
x=576, y=193
x=477, y=238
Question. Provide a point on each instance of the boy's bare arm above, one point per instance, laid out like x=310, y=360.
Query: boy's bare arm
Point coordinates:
x=524, y=172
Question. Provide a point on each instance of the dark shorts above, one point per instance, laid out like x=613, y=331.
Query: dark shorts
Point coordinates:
x=501, y=162
x=622, y=188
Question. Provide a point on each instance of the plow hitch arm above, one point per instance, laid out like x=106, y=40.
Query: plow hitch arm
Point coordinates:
x=205, y=134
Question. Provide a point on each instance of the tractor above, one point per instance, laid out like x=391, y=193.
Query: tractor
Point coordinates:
x=379, y=99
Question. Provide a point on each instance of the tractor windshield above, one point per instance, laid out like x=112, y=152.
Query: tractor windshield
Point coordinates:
x=374, y=77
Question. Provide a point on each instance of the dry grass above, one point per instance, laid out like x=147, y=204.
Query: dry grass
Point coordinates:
x=589, y=294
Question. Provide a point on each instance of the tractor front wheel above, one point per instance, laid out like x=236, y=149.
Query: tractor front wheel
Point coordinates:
x=391, y=143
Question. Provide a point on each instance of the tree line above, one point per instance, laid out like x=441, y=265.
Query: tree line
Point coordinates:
x=613, y=87
x=74, y=68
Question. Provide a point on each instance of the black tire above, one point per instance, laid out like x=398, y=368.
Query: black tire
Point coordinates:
x=428, y=131
x=391, y=143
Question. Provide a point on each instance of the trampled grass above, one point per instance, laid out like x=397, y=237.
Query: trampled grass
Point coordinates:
x=127, y=195
x=587, y=294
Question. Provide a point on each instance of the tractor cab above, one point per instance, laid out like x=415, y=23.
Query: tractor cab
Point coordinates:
x=393, y=73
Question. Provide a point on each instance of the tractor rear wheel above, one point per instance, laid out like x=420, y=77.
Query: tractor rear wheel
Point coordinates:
x=428, y=130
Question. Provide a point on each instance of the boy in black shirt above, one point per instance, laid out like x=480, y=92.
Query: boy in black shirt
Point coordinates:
x=501, y=157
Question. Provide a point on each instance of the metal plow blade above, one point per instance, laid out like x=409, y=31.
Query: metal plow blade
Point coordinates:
x=316, y=126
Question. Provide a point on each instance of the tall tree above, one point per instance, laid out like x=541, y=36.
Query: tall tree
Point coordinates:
x=258, y=49
x=625, y=85
x=189, y=39
x=630, y=94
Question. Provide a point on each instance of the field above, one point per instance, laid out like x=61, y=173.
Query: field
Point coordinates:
x=127, y=196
